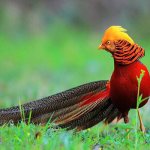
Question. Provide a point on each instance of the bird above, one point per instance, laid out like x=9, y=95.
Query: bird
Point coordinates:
x=85, y=106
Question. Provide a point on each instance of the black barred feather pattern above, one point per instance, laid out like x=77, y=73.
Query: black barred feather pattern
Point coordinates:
x=127, y=53
x=65, y=108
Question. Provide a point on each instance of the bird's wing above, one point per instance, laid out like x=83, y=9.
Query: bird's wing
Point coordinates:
x=80, y=107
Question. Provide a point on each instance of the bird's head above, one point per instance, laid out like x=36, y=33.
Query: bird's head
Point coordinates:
x=112, y=35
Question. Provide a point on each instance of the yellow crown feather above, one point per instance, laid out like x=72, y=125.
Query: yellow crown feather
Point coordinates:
x=115, y=33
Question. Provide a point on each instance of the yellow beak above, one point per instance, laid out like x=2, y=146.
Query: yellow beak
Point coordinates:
x=101, y=46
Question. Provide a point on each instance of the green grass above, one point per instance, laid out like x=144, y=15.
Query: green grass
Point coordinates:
x=35, y=66
x=37, y=137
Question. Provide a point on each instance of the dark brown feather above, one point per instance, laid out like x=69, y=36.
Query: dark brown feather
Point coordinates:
x=88, y=116
x=58, y=103
x=98, y=118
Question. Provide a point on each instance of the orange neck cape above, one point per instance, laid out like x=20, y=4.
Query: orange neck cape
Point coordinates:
x=127, y=53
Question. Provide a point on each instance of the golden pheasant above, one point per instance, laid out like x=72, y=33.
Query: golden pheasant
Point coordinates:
x=85, y=106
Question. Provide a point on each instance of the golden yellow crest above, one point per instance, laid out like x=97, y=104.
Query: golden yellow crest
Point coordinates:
x=115, y=33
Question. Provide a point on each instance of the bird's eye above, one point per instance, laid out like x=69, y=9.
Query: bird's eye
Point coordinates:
x=108, y=42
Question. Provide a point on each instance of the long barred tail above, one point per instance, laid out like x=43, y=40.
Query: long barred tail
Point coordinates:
x=80, y=107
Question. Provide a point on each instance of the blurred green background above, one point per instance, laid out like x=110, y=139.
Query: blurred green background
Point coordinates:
x=50, y=46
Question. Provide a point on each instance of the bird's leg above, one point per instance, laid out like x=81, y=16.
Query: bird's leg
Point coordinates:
x=141, y=122
x=126, y=120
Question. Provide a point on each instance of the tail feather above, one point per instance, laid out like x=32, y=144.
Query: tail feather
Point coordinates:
x=75, y=114
x=64, y=113
x=86, y=117
x=52, y=103
x=80, y=107
x=79, y=110
x=43, y=118
x=95, y=120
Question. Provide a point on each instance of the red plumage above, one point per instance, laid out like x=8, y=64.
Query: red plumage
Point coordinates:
x=124, y=86
x=104, y=94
